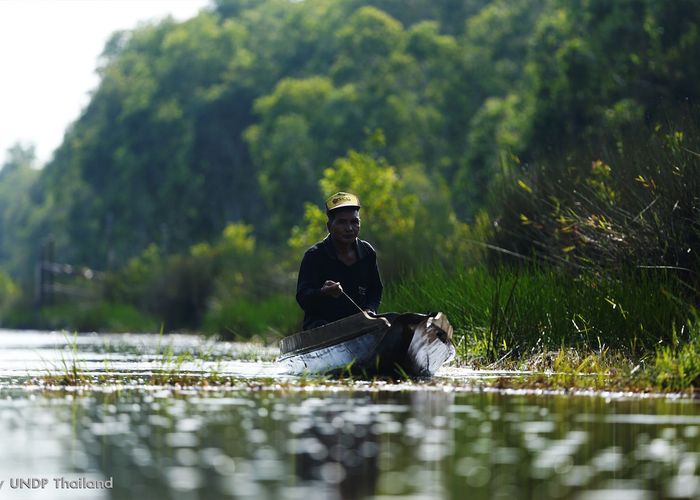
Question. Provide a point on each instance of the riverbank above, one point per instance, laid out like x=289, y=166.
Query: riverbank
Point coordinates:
x=57, y=362
x=222, y=366
x=638, y=332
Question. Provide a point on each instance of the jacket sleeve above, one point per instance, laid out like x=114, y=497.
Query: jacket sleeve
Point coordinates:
x=374, y=288
x=308, y=283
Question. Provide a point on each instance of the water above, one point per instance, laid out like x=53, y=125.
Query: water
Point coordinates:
x=295, y=440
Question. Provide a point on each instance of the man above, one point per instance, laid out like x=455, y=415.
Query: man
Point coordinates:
x=339, y=270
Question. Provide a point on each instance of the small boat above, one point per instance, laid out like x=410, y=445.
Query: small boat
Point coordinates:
x=364, y=345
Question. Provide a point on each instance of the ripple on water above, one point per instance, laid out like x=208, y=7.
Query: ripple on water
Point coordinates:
x=378, y=440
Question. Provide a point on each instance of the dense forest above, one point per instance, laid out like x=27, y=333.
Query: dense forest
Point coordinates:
x=526, y=126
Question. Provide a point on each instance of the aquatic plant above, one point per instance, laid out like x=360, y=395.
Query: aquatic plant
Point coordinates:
x=512, y=312
x=609, y=207
x=70, y=371
x=576, y=332
x=677, y=363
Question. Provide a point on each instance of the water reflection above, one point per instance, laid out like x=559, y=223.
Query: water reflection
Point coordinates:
x=419, y=444
x=335, y=443
x=335, y=447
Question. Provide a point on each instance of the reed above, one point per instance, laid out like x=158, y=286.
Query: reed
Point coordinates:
x=676, y=365
x=510, y=313
x=628, y=204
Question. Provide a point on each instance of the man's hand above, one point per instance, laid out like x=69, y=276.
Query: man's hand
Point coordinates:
x=331, y=289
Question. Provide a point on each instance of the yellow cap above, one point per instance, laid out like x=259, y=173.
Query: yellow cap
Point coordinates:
x=340, y=200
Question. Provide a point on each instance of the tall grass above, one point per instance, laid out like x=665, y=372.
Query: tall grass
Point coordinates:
x=515, y=311
x=677, y=364
x=633, y=203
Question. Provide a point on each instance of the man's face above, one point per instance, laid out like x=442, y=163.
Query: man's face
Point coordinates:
x=345, y=227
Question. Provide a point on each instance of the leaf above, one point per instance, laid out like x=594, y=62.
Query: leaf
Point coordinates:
x=522, y=184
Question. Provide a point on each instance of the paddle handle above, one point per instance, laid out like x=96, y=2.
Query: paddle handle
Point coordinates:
x=352, y=301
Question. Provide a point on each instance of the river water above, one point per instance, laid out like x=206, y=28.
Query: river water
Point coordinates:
x=273, y=436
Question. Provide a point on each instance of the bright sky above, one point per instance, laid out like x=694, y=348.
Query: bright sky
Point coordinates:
x=48, y=56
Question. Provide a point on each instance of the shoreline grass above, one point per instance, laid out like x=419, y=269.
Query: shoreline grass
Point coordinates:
x=640, y=330
x=537, y=383
x=566, y=370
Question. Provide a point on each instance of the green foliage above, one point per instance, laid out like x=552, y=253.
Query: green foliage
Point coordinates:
x=510, y=121
x=276, y=315
x=17, y=216
x=515, y=312
x=96, y=317
x=233, y=115
x=367, y=43
x=592, y=58
x=405, y=216
x=677, y=363
x=181, y=289
x=9, y=295
x=296, y=135
x=629, y=205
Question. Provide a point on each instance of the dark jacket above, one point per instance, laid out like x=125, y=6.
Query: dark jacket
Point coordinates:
x=360, y=281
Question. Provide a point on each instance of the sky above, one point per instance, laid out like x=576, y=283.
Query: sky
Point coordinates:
x=49, y=51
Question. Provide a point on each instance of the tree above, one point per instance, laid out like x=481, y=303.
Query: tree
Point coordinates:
x=299, y=131
x=18, y=176
x=407, y=217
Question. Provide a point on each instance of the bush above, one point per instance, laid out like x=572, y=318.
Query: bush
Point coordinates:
x=181, y=289
x=274, y=316
x=9, y=295
x=99, y=317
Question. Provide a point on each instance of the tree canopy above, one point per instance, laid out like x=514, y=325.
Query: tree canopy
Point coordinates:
x=237, y=115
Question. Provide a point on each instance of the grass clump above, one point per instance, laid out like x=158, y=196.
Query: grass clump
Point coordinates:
x=70, y=372
x=513, y=312
x=631, y=203
x=677, y=364
x=637, y=331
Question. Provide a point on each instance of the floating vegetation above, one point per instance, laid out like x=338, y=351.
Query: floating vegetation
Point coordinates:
x=94, y=362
